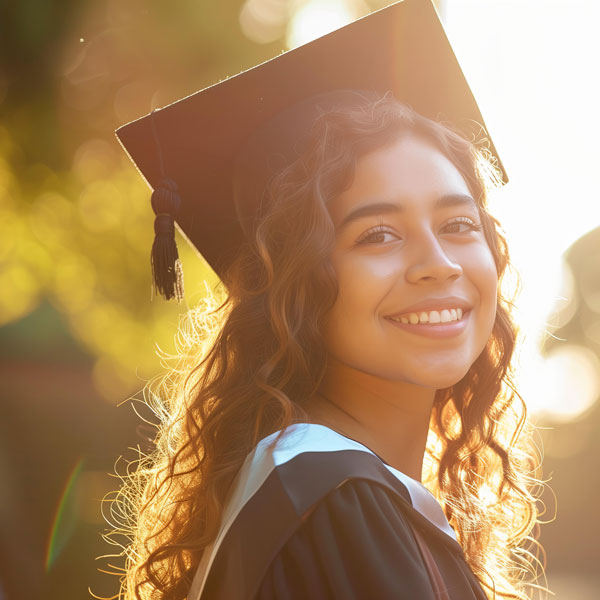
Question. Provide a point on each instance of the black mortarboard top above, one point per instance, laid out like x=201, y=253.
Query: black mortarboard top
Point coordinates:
x=187, y=150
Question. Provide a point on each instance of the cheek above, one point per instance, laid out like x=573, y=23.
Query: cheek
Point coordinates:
x=364, y=282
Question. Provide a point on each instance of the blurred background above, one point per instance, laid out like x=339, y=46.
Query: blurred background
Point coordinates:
x=79, y=333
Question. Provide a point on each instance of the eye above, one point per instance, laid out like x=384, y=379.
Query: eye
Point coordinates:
x=376, y=235
x=458, y=221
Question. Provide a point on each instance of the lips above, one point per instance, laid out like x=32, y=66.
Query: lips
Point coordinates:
x=431, y=317
x=435, y=330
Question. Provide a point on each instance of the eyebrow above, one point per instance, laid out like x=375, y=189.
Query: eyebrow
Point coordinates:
x=381, y=208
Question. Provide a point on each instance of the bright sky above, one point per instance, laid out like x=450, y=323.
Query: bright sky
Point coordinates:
x=532, y=65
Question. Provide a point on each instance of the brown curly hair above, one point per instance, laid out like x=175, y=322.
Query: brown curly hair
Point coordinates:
x=249, y=356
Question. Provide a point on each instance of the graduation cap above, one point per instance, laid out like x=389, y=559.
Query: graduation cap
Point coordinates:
x=189, y=151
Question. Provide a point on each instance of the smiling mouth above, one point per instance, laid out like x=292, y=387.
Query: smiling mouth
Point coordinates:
x=446, y=329
x=432, y=317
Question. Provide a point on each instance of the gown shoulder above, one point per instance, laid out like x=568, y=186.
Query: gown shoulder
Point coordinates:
x=322, y=516
x=356, y=543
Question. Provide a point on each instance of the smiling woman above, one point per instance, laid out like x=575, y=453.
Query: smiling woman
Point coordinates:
x=424, y=253
x=345, y=424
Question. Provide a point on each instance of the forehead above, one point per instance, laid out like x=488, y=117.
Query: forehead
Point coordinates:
x=410, y=171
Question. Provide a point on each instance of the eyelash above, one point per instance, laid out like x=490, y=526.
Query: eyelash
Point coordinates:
x=381, y=228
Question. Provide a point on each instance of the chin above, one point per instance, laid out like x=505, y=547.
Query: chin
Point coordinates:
x=437, y=382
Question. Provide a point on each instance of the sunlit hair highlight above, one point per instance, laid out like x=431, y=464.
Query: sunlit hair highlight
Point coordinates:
x=249, y=356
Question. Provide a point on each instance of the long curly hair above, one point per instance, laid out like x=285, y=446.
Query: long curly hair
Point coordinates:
x=250, y=355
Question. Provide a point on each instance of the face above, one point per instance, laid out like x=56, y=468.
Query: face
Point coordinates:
x=408, y=240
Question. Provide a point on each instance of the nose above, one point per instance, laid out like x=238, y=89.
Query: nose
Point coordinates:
x=431, y=262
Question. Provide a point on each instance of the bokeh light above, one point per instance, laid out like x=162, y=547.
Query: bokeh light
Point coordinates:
x=315, y=18
x=566, y=383
x=264, y=21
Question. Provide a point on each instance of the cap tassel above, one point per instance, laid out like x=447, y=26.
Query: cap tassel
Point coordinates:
x=167, y=273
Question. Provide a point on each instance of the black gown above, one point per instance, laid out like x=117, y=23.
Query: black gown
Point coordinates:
x=322, y=516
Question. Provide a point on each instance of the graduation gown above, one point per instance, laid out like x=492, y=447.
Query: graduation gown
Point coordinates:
x=323, y=516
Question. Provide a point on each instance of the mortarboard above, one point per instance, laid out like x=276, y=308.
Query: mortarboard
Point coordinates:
x=187, y=151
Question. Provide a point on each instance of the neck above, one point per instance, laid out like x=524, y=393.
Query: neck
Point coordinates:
x=389, y=417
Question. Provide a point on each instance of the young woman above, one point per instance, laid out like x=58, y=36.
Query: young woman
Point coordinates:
x=344, y=424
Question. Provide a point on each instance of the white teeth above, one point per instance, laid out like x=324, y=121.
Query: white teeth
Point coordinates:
x=445, y=316
x=433, y=316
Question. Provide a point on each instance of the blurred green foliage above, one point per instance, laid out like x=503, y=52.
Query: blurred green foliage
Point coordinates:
x=75, y=217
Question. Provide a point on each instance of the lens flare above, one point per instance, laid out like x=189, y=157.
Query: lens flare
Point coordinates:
x=65, y=518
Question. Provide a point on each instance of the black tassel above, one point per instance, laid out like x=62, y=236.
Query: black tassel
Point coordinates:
x=167, y=274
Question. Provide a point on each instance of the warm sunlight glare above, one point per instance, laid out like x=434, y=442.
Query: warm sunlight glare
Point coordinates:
x=528, y=63
x=539, y=104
